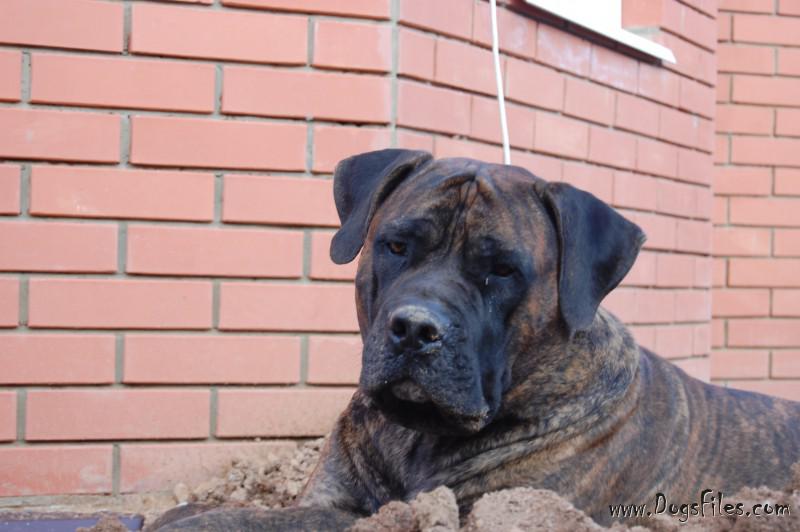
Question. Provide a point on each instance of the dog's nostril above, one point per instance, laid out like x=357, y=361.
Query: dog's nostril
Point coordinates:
x=398, y=328
x=428, y=333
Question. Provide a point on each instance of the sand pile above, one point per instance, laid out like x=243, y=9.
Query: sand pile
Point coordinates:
x=275, y=482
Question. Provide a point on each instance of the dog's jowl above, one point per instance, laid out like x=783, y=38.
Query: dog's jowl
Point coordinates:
x=488, y=362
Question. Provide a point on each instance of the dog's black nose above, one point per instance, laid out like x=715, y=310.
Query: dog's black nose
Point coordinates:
x=414, y=328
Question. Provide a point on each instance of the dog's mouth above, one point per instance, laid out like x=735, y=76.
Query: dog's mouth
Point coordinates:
x=410, y=405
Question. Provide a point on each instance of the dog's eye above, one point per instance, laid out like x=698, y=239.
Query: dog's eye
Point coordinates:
x=397, y=248
x=502, y=270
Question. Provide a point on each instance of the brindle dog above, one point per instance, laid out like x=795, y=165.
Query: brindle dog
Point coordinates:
x=488, y=363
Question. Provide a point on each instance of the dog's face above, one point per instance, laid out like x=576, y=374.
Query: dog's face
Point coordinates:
x=459, y=275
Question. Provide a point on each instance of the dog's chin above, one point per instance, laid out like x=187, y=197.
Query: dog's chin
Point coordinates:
x=408, y=404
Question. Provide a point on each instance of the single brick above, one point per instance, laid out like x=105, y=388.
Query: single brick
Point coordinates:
x=612, y=68
x=589, y=101
x=739, y=364
x=334, y=359
x=612, y=148
x=660, y=229
x=697, y=97
x=740, y=303
x=740, y=58
x=679, y=127
x=159, y=467
x=787, y=389
x=658, y=83
x=768, y=273
x=655, y=157
x=257, y=199
x=184, y=359
x=451, y=56
x=485, y=122
x=8, y=416
x=203, y=33
x=694, y=236
x=787, y=181
x=788, y=122
x=786, y=364
x=748, y=119
x=9, y=189
x=358, y=8
x=766, y=151
x=563, y=50
x=748, y=6
x=119, y=304
x=416, y=54
x=765, y=211
x=9, y=302
x=786, y=303
x=535, y=85
x=789, y=61
x=36, y=358
x=334, y=143
x=55, y=470
x=10, y=75
x=322, y=267
x=635, y=191
x=59, y=135
x=675, y=341
x=116, y=414
x=741, y=241
x=79, y=24
x=58, y=247
x=287, y=307
x=194, y=142
x=352, y=46
x=766, y=30
x=159, y=250
x=558, y=135
x=113, y=193
x=674, y=270
x=695, y=166
x=432, y=108
x=518, y=36
x=636, y=114
x=766, y=90
x=448, y=17
x=299, y=94
x=279, y=412
x=677, y=198
x=787, y=242
x=122, y=82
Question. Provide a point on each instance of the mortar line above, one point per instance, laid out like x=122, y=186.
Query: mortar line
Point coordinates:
x=25, y=191
x=24, y=290
x=213, y=414
x=26, y=78
x=215, y=304
x=115, y=469
x=126, y=28
x=307, y=258
x=218, y=85
x=393, y=83
x=219, y=188
x=122, y=249
x=22, y=401
x=119, y=358
x=304, y=340
x=124, y=140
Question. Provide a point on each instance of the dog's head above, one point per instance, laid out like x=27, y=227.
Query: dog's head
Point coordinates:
x=464, y=265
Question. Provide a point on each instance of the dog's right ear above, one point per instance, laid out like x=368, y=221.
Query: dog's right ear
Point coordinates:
x=360, y=184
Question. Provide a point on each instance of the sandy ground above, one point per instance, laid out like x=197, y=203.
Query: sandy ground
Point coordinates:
x=275, y=482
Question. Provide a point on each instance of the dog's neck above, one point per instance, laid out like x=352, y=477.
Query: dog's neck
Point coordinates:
x=596, y=382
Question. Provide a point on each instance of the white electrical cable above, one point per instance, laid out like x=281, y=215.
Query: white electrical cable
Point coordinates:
x=501, y=101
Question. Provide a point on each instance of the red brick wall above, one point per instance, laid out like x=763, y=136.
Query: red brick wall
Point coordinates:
x=756, y=297
x=166, y=295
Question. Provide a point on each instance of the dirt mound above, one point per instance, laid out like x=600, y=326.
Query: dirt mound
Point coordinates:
x=434, y=511
x=107, y=523
x=271, y=482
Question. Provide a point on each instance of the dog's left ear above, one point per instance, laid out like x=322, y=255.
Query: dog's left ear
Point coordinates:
x=360, y=184
x=597, y=249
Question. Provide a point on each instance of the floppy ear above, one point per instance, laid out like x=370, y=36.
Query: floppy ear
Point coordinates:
x=360, y=184
x=597, y=248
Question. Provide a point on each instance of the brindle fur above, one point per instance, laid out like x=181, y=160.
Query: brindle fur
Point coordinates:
x=588, y=414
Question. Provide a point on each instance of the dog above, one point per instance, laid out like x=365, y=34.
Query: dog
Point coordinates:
x=488, y=362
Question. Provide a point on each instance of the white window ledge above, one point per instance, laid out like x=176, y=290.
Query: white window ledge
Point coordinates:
x=603, y=17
